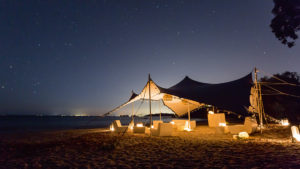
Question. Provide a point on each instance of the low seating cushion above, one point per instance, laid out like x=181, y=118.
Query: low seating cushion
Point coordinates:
x=118, y=127
x=215, y=119
x=250, y=126
x=139, y=129
x=164, y=129
x=181, y=124
x=156, y=122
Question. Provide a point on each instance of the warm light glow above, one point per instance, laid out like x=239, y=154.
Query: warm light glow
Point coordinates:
x=211, y=112
x=187, y=126
x=152, y=126
x=284, y=122
x=112, y=128
x=222, y=124
x=80, y=114
x=139, y=125
x=295, y=132
x=187, y=129
x=130, y=126
x=243, y=135
x=172, y=122
x=167, y=97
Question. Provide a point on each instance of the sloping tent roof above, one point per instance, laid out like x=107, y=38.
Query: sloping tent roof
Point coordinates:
x=232, y=96
x=187, y=82
x=155, y=95
x=133, y=95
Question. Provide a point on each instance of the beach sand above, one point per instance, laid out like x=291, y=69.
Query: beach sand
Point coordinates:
x=98, y=148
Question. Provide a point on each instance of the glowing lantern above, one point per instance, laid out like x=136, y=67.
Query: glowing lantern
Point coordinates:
x=112, y=128
x=284, y=122
x=152, y=126
x=172, y=122
x=243, y=135
x=139, y=125
x=130, y=126
x=211, y=112
x=295, y=132
x=222, y=124
x=187, y=129
x=187, y=126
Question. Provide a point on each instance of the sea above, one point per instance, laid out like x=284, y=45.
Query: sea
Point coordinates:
x=16, y=124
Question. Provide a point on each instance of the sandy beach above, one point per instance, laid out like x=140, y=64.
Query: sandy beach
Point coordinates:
x=98, y=148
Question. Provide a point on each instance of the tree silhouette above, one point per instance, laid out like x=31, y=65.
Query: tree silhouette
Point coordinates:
x=281, y=105
x=286, y=22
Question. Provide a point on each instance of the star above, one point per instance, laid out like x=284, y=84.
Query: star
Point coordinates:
x=68, y=44
x=36, y=83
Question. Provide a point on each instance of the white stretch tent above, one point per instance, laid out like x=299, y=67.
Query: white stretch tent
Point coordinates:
x=179, y=106
x=188, y=95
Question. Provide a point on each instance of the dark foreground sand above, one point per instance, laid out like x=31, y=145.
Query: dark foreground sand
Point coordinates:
x=99, y=149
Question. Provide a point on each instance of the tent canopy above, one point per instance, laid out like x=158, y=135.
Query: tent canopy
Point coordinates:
x=190, y=94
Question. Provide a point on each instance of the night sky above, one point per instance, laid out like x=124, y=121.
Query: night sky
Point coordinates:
x=68, y=57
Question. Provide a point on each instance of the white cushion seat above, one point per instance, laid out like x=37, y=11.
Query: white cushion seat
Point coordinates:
x=137, y=129
x=181, y=124
x=156, y=122
x=163, y=129
x=214, y=120
x=118, y=127
x=250, y=126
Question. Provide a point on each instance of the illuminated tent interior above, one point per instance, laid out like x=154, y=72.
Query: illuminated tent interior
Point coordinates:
x=189, y=95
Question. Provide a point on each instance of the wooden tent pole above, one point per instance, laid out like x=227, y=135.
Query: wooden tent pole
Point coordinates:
x=189, y=115
x=261, y=104
x=132, y=111
x=150, y=101
x=159, y=110
x=258, y=100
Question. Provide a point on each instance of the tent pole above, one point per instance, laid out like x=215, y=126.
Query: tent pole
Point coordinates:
x=258, y=100
x=132, y=111
x=150, y=102
x=261, y=104
x=159, y=110
x=189, y=115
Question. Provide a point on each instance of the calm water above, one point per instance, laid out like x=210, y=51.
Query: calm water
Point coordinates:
x=42, y=123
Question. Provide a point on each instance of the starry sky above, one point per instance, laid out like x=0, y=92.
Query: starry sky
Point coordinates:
x=66, y=57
